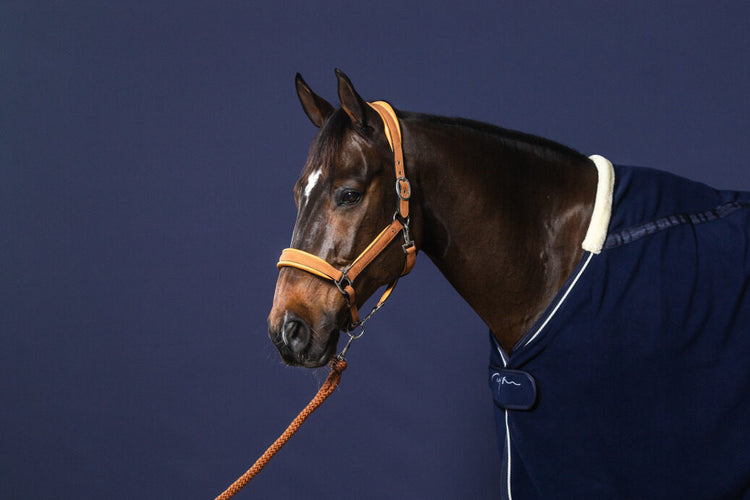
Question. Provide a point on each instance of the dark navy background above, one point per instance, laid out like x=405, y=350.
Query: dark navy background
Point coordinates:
x=147, y=156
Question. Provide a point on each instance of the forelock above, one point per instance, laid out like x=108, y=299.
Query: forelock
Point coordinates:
x=328, y=141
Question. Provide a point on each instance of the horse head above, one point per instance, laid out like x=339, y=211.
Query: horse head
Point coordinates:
x=344, y=198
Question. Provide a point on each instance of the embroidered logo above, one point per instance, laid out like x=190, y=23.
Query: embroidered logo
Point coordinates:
x=503, y=380
x=512, y=389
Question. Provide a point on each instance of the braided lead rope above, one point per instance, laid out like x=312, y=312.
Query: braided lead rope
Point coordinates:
x=338, y=365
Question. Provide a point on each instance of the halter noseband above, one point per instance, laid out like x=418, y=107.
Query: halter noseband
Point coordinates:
x=344, y=280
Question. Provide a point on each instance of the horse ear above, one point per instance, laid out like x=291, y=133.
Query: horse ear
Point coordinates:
x=316, y=108
x=351, y=102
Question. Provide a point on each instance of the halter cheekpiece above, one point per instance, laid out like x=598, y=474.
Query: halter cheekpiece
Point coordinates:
x=344, y=279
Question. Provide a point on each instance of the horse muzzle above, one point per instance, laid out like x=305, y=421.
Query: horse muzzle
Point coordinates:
x=300, y=345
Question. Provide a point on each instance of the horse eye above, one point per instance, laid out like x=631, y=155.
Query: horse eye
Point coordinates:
x=350, y=197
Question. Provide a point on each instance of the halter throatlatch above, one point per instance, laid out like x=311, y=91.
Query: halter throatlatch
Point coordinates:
x=344, y=279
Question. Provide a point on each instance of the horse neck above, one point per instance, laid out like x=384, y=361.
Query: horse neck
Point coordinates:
x=502, y=217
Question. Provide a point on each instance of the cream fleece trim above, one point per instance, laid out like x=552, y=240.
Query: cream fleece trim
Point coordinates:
x=597, y=232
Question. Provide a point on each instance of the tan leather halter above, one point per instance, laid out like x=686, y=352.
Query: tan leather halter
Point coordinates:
x=344, y=279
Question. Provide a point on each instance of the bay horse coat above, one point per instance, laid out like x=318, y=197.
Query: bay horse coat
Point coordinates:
x=635, y=382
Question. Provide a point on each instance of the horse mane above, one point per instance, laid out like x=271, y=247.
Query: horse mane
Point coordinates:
x=331, y=135
x=513, y=139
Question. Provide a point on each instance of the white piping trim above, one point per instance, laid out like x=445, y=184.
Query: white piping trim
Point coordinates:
x=597, y=232
x=507, y=440
x=505, y=363
x=560, y=302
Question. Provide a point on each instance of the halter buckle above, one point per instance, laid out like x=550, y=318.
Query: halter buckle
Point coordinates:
x=403, y=188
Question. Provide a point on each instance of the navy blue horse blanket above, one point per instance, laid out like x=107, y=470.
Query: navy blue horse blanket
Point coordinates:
x=635, y=382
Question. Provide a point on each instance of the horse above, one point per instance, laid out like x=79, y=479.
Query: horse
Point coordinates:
x=616, y=297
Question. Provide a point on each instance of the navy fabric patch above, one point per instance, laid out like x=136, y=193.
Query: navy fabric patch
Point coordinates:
x=512, y=389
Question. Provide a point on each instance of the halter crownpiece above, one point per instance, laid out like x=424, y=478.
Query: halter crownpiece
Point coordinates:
x=393, y=134
x=344, y=279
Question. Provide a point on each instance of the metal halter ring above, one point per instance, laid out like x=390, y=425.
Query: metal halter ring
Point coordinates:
x=352, y=338
x=406, y=220
x=341, y=284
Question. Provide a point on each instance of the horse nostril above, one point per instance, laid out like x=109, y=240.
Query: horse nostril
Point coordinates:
x=296, y=334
